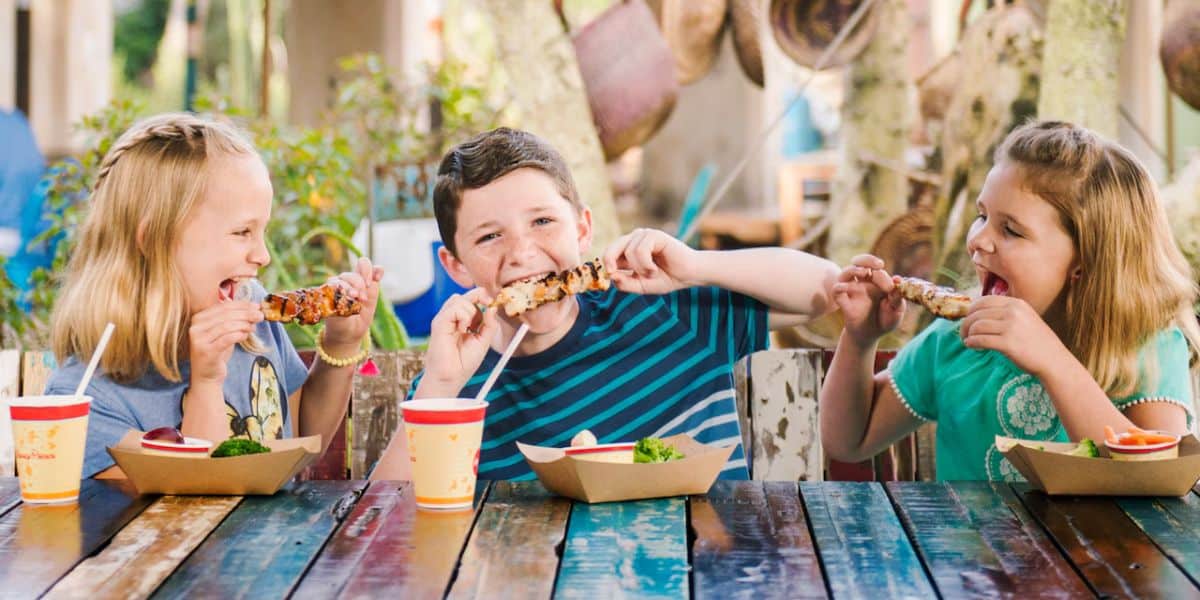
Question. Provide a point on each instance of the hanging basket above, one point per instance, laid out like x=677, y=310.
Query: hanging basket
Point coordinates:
x=805, y=28
x=743, y=18
x=1179, y=50
x=629, y=74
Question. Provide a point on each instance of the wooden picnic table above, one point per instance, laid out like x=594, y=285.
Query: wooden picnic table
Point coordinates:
x=748, y=539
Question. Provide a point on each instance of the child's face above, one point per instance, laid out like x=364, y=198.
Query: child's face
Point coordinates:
x=222, y=240
x=1018, y=243
x=517, y=227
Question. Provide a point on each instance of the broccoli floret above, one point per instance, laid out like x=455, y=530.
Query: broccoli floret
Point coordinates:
x=239, y=447
x=1086, y=447
x=653, y=450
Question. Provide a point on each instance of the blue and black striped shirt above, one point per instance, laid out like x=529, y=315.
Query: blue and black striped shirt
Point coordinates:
x=632, y=366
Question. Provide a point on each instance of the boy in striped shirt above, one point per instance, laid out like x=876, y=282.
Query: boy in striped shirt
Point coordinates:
x=651, y=356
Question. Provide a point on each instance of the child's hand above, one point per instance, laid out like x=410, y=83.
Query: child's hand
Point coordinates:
x=870, y=303
x=459, y=338
x=1012, y=327
x=648, y=261
x=343, y=335
x=213, y=333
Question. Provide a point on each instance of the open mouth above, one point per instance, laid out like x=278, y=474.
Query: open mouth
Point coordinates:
x=229, y=288
x=994, y=285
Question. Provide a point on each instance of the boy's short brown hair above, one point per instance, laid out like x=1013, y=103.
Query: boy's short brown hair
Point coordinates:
x=486, y=158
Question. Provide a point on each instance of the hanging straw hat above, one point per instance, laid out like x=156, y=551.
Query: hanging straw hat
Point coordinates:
x=693, y=31
x=804, y=28
x=743, y=17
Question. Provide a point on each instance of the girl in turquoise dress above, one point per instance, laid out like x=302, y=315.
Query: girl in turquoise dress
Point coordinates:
x=1085, y=317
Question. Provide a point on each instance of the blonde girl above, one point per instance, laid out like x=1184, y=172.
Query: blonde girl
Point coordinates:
x=1084, y=321
x=176, y=222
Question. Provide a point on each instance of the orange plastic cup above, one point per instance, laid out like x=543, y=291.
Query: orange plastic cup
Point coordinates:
x=49, y=436
x=444, y=438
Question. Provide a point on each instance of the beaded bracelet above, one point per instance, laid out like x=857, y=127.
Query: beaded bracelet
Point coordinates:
x=341, y=362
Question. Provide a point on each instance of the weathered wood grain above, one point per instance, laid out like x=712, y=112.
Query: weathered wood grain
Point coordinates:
x=10, y=494
x=375, y=406
x=513, y=549
x=632, y=549
x=147, y=550
x=978, y=541
x=1112, y=554
x=39, y=543
x=1173, y=524
x=751, y=541
x=863, y=547
x=265, y=545
x=35, y=371
x=10, y=387
x=388, y=548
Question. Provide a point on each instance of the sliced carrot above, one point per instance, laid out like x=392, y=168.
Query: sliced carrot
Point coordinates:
x=1111, y=435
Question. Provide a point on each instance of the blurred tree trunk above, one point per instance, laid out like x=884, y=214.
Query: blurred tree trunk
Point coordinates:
x=1006, y=44
x=550, y=101
x=1081, y=62
x=875, y=126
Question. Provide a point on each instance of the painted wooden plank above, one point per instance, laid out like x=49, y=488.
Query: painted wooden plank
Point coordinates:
x=264, y=546
x=862, y=545
x=1114, y=556
x=926, y=442
x=387, y=548
x=10, y=494
x=1173, y=524
x=35, y=372
x=634, y=549
x=752, y=541
x=375, y=409
x=783, y=387
x=976, y=540
x=147, y=550
x=513, y=550
x=39, y=543
x=10, y=387
x=741, y=397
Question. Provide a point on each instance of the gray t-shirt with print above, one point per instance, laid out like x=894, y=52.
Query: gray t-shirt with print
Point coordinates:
x=256, y=390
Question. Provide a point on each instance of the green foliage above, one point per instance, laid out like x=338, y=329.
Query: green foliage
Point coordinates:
x=136, y=34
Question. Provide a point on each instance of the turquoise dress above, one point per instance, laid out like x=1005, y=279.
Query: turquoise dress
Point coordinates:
x=975, y=395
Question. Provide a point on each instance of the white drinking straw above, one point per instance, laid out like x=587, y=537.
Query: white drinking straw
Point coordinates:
x=91, y=368
x=491, y=380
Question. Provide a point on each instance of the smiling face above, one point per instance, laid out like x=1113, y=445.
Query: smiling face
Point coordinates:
x=223, y=239
x=518, y=227
x=1018, y=243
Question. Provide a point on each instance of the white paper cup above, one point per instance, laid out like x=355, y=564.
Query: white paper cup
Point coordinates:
x=49, y=437
x=444, y=438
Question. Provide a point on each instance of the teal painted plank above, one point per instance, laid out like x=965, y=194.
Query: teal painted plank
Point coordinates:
x=1173, y=524
x=632, y=549
x=976, y=540
x=752, y=541
x=387, y=548
x=264, y=546
x=862, y=545
x=39, y=543
x=513, y=550
x=10, y=494
x=1112, y=554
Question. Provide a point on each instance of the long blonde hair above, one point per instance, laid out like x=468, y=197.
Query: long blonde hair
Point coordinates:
x=1135, y=281
x=150, y=180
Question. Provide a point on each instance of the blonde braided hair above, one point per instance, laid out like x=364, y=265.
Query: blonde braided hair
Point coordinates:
x=123, y=268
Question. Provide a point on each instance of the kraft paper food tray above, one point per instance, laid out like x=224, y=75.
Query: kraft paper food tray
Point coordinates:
x=261, y=474
x=593, y=481
x=1060, y=474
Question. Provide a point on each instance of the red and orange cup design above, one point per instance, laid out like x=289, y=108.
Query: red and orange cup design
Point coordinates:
x=49, y=435
x=444, y=437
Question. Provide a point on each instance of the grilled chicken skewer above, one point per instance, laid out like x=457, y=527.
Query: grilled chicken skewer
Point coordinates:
x=309, y=306
x=520, y=296
x=943, y=302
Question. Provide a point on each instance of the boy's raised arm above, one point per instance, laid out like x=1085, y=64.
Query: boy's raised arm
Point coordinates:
x=796, y=286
